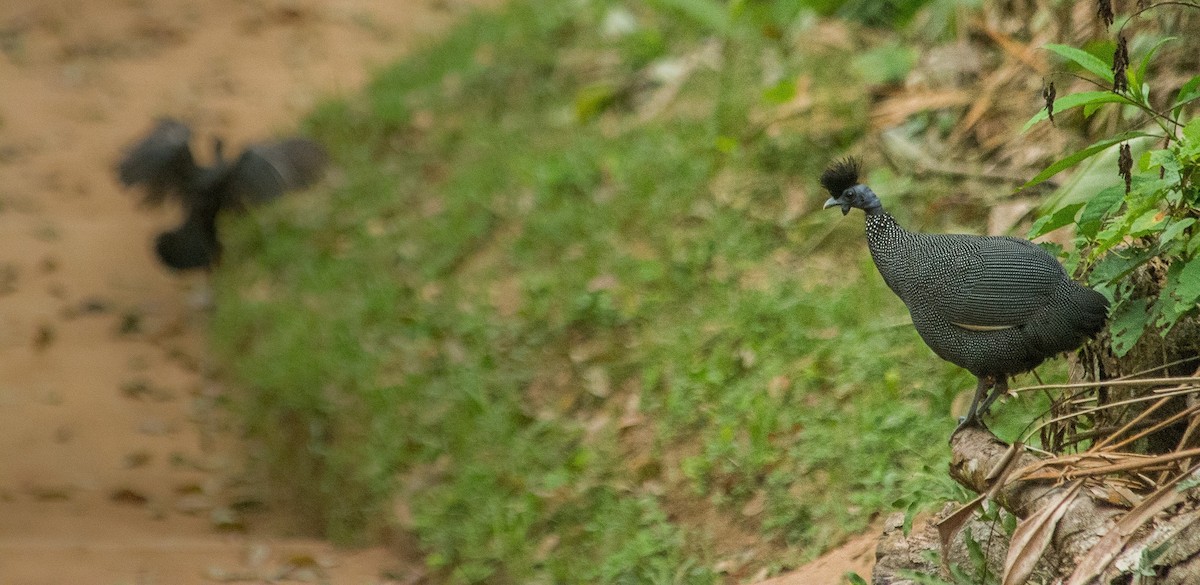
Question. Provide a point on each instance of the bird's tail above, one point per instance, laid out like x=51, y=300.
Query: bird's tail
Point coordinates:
x=1077, y=314
x=1092, y=308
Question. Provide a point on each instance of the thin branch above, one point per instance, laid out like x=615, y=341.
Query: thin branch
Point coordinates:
x=1116, y=382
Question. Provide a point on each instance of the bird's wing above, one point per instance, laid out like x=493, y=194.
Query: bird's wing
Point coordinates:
x=266, y=171
x=993, y=283
x=161, y=162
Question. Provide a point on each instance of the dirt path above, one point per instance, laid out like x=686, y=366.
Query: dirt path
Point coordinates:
x=113, y=465
x=107, y=453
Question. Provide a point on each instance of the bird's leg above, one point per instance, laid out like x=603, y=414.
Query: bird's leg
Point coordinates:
x=973, y=413
x=1000, y=389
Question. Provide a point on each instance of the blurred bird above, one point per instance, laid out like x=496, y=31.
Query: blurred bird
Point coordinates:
x=997, y=306
x=162, y=164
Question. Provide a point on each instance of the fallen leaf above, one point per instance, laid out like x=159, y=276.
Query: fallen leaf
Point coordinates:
x=1110, y=545
x=1033, y=535
x=950, y=525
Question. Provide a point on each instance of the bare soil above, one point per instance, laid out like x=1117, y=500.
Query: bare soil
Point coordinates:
x=115, y=467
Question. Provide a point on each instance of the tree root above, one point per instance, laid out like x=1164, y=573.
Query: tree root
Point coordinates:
x=1164, y=549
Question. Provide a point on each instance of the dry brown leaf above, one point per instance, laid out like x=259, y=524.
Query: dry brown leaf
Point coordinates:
x=893, y=111
x=998, y=475
x=1133, y=462
x=1023, y=52
x=1111, y=544
x=1033, y=535
x=950, y=525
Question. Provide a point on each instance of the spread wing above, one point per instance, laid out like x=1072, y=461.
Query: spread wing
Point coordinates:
x=161, y=163
x=266, y=171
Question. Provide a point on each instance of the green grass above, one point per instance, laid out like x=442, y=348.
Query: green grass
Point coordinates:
x=574, y=346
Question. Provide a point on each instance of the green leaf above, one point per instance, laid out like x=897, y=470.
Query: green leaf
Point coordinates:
x=1189, y=92
x=1074, y=100
x=855, y=579
x=1081, y=155
x=1084, y=59
x=1175, y=229
x=1100, y=205
x=1191, y=132
x=1165, y=159
x=1179, y=295
x=1147, y=222
x=1128, y=323
x=1048, y=223
x=1116, y=264
x=1139, y=74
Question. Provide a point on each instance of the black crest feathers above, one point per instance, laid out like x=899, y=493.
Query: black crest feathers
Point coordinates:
x=841, y=175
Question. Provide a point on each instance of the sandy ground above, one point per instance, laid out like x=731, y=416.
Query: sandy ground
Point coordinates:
x=114, y=467
x=111, y=465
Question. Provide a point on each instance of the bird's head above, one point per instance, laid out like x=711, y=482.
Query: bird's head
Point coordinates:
x=841, y=180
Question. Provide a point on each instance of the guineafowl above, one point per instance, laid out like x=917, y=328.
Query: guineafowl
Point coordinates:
x=163, y=165
x=997, y=306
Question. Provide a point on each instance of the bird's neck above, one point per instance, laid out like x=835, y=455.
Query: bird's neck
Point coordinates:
x=885, y=237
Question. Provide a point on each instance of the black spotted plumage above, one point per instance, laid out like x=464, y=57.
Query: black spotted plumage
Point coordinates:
x=162, y=164
x=996, y=306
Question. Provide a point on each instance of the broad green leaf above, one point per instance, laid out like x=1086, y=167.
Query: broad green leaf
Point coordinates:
x=1078, y=156
x=1164, y=159
x=1175, y=229
x=1188, y=290
x=1147, y=222
x=1140, y=73
x=1074, y=100
x=1084, y=59
x=1189, y=92
x=1150, y=54
x=1052, y=248
x=1101, y=205
x=1118, y=263
x=1191, y=132
x=1179, y=295
x=1048, y=223
x=1128, y=323
x=1143, y=161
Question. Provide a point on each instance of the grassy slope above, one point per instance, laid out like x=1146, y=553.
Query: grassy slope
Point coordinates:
x=582, y=351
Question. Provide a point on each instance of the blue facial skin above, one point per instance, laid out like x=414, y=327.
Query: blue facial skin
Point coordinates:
x=859, y=196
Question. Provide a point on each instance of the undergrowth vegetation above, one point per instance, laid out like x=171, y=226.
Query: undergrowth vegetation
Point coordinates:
x=570, y=313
